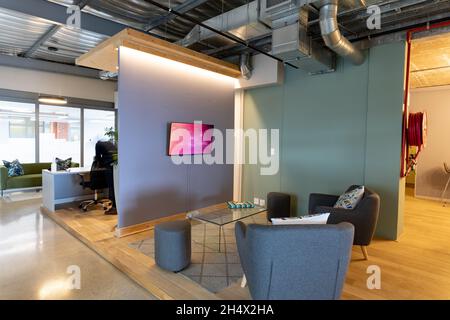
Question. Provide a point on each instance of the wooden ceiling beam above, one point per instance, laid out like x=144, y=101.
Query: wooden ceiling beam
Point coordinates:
x=105, y=55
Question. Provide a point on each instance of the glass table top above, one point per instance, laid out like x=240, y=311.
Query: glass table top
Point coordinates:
x=224, y=216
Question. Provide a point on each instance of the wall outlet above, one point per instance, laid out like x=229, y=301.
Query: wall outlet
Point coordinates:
x=256, y=201
x=262, y=202
x=272, y=151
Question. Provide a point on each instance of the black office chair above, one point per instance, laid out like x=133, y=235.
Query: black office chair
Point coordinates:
x=97, y=181
x=105, y=152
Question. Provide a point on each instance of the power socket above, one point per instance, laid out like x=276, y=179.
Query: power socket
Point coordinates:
x=262, y=202
x=256, y=201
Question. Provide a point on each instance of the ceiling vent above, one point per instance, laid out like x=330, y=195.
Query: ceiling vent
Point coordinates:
x=243, y=22
x=291, y=43
x=287, y=22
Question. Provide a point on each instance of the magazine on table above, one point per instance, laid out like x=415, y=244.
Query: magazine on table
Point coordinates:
x=311, y=219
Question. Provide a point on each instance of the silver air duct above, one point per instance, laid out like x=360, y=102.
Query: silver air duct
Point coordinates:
x=246, y=65
x=107, y=75
x=332, y=35
x=291, y=42
x=242, y=22
x=287, y=21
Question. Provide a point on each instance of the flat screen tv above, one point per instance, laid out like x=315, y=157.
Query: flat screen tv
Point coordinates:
x=189, y=139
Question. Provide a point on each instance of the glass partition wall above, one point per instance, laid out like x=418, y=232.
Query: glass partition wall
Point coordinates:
x=17, y=131
x=59, y=133
x=32, y=133
x=95, y=124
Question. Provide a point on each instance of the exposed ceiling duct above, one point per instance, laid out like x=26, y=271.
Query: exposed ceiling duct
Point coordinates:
x=245, y=64
x=242, y=22
x=333, y=37
x=290, y=39
x=108, y=75
x=287, y=22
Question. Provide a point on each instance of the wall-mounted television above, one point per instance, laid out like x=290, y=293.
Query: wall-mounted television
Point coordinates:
x=189, y=138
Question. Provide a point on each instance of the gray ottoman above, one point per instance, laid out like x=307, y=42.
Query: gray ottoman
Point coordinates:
x=173, y=245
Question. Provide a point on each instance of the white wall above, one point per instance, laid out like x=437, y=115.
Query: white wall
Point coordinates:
x=266, y=72
x=430, y=178
x=56, y=84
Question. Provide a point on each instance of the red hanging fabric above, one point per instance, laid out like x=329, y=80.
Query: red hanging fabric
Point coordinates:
x=415, y=129
x=415, y=136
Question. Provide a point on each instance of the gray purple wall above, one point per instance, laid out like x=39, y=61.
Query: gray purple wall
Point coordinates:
x=151, y=95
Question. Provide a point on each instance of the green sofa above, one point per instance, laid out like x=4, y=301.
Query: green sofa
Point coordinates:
x=31, y=179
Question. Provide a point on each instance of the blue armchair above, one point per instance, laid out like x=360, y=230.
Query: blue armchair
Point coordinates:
x=296, y=262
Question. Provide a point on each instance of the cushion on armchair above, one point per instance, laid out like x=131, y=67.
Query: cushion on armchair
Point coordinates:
x=350, y=199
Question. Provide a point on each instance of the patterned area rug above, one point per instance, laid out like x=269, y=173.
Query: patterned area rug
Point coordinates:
x=210, y=268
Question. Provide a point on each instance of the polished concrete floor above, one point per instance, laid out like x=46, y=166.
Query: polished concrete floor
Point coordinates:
x=36, y=255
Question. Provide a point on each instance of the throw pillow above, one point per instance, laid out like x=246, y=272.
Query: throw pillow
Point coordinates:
x=62, y=165
x=15, y=169
x=350, y=199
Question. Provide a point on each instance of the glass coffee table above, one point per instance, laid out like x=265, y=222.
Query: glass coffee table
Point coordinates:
x=222, y=215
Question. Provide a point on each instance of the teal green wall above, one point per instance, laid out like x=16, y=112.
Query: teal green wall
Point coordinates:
x=384, y=132
x=336, y=129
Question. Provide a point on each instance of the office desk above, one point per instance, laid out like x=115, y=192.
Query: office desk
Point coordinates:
x=64, y=187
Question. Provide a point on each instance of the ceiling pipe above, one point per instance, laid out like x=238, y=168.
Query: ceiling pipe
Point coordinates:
x=333, y=37
x=245, y=65
x=226, y=35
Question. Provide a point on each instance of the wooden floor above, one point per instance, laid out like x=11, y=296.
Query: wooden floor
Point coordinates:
x=417, y=266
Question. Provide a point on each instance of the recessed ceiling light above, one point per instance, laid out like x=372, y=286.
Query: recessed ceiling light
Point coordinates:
x=53, y=100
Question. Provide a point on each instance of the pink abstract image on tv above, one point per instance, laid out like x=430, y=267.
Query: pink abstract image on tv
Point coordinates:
x=190, y=139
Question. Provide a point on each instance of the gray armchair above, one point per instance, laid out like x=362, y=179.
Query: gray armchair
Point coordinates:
x=296, y=262
x=364, y=217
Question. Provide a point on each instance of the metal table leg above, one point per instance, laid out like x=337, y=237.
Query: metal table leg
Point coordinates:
x=220, y=236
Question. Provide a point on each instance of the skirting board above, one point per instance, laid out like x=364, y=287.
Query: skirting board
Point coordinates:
x=148, y=225
x=431, y=198
x=22, y=189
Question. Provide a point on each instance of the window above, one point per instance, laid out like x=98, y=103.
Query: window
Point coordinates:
x=59, y=128
x=21, y=128
x=59, y=133
x=95, y=124
x=17, y=131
